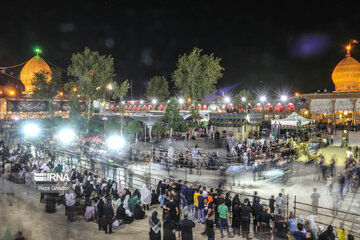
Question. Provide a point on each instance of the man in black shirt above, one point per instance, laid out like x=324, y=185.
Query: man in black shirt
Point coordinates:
x=281, y=228
x=185, y=227
x=217, y=202
x=264, y=223
x=109, y=214
x=163, y=188
x=245, y=212
x=256, y=209
x=172, y=209
x=189, y=196
x=210, y=226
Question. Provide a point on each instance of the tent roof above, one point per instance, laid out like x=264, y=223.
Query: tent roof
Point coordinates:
x=292, y=120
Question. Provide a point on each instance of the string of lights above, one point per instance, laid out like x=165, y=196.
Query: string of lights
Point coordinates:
x=14, y=66
x=55, y=66
x=7, y=74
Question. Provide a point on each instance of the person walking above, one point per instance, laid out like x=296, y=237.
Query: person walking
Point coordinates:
x=332, y=167
x=315, y=200
x=341, y=181
x=279, y=201
x=185, y=227
x=223, y=215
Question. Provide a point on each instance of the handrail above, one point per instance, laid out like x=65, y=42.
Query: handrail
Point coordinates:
x=331, y=209
x=326, y=215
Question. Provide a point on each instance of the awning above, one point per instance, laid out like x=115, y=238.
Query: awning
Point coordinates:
x=321, y=106
x=343, y=104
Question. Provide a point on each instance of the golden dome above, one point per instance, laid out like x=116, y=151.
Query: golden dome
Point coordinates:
x=34, y=65
x=346, y=75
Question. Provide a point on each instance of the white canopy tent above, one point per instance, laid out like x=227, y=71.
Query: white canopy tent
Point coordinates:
x=293, y=120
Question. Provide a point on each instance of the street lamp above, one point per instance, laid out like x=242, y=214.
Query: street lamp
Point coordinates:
x=243, y=99
x=31, y=130
x=66, y=136
x=262, y=99
x=154, y=101
x=227, y=100
x=181, y=101
x=115, y=142
x=283, y=98
x=109, y=86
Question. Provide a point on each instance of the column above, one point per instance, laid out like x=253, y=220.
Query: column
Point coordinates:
x=309, y=102
x=150, y=128
x=354, y=100
x=243, y=131
x=333, y=110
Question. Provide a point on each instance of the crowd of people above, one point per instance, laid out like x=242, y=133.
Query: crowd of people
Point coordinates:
x=260, y=155
x=104, y=202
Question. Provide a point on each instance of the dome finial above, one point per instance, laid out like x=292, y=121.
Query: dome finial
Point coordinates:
x=348, y=47
x=37, y=51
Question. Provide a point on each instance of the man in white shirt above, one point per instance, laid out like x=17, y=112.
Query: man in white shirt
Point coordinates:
x=205, y=194
x=349, y=153
x=70, y=205
x=279, y=201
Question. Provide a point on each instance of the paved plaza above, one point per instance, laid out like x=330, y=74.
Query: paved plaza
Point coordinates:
x=35, y=223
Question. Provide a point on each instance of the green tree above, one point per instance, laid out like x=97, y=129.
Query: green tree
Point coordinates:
x=45, y=89
x=92, y=72
x=197, y=74
x=158, y=88
x=172, y=118
x=159, y=128
x=75, y=109
x=120, y=91
x=246, y=95
x=133, y=128
x=111, y=125
x=195, y=115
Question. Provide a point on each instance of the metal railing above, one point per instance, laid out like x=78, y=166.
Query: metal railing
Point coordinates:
x=323, y=213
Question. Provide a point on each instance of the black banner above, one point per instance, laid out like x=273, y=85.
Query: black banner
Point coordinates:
x=37, y=106
x=27, y=106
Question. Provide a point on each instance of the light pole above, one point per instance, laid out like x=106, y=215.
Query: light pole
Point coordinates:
x=110, y=88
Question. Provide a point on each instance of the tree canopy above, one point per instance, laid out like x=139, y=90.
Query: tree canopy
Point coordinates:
x=45, y=89
x=92, y=72
x=120, y=91
x=246, y=94
x=197, y=74
x=158, y=88
x=172, y=117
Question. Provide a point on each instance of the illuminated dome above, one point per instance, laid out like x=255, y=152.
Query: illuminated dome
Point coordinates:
x=346, y=75
x=34, y=65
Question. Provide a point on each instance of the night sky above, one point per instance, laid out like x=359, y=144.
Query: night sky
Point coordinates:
x=269, y=45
